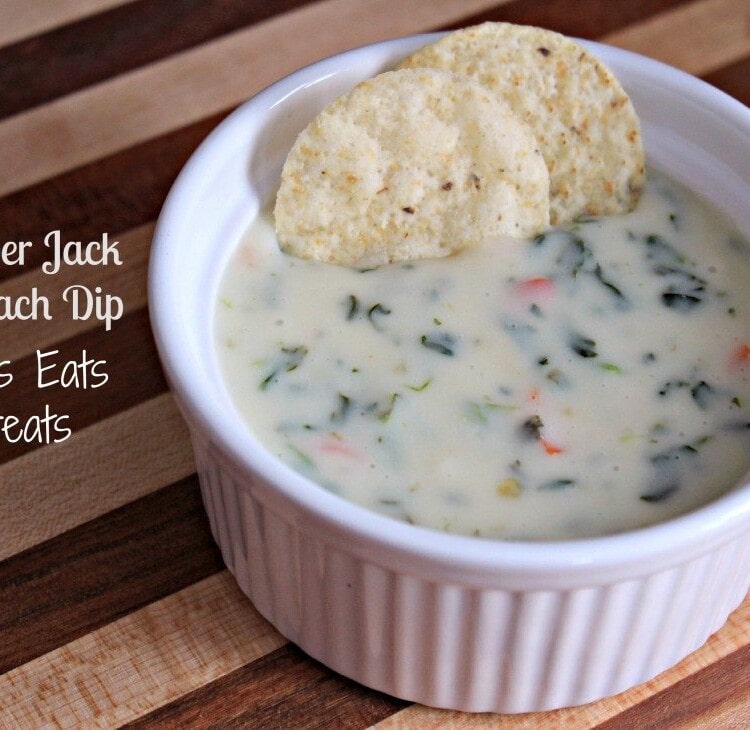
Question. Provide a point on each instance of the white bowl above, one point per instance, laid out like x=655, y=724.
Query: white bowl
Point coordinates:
x=444, y=620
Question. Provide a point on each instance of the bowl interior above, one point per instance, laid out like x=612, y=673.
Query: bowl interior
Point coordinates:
x=696, y=134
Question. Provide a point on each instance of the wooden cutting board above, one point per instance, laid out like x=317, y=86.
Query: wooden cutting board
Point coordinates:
x=115, y=607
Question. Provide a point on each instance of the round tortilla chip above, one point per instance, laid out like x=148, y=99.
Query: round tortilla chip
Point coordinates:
x=585, y=123
x=410, y=164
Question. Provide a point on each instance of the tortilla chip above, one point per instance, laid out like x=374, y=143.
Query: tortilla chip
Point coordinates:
x=585, y=123
x=410, y=164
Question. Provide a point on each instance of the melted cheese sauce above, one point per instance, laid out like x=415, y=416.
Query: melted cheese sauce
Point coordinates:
x=592, y=380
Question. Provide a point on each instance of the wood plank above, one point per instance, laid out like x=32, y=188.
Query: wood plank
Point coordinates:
x=115, y=194
x=716, y=697
x=37, y=70
x=733, y=79
x=286, y=688
x=132, y=368
x=101, y=46
x=21, y=337
x=91, y=685
x=104, y=569
x=31, y=17
x=596, y=19
x=144, y=660
x=733, y=637
x=97, y=469
x=158, y=98
x=698, y=38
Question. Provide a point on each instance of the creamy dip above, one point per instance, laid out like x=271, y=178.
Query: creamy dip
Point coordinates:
x=588, y=381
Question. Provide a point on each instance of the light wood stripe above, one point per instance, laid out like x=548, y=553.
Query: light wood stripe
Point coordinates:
x=697, y=38
x=99, y=468
x=716, y=697
x=184, y=88
x=136, y=664
x=723, y=716
x=128, y=282
x=29, y=17
x=100, y=571
x=284, y=689
x=734, y=635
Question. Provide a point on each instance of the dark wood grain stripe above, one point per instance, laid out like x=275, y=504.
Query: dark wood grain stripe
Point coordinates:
x=283, y=689
x=132, y=366
x=97, y=572
x=101, y=46
x=596, y=19
x=113, y=194
x=696, y=701
x=734, y=79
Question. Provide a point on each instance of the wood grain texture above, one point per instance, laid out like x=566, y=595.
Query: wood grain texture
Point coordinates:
x=107, y=44
x=97, y=469
x=115, y=194
x=140, y=662
x=114, y=607
x=163, y=96
x=592, y=20
x=734, y=79
x=104, y=569
x=282, y=689
x=128, y=281
x=130, y=364
x=698, y=38
x=31, y=17
x=726, y=704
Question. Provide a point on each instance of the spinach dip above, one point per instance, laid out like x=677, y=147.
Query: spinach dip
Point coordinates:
x=591, y=380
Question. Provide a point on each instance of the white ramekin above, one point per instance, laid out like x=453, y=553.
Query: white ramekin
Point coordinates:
x=440, y=619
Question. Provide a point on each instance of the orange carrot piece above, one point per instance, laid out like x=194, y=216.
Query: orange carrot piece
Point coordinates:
x=741, y=355
x=550, y=448
x=537, y=285
x=341, y=449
